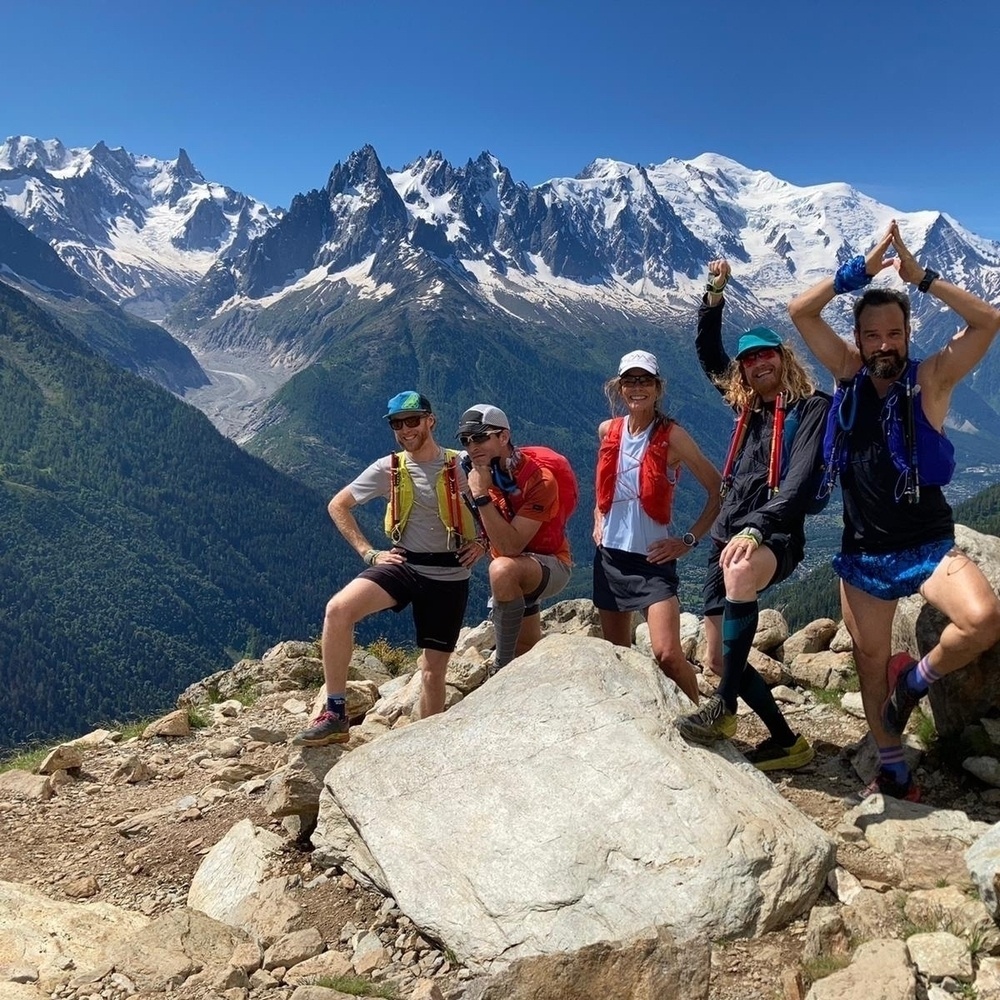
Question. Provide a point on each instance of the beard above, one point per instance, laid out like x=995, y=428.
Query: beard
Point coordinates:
x=885, y=364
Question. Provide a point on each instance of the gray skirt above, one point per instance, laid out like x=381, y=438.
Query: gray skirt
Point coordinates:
x=627, y=581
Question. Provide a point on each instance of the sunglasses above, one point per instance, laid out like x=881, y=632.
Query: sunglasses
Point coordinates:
x=398, y=423
x=467, y=439
x=638, y=379
x=761, y=354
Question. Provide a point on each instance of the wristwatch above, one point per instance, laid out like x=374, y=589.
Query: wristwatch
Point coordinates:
x=689, y=539
x=925, y=281
x=482, y=501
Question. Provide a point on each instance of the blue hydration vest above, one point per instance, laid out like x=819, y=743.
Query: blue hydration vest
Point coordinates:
x=921, y=453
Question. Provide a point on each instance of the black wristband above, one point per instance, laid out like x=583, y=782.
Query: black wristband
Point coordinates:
x=482, y=501
x=925, y=281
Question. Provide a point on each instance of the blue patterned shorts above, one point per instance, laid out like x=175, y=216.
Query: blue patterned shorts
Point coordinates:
x=891, y=575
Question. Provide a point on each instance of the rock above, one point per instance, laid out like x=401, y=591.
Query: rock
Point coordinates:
x=772, y=670
x=578, y=617
x=82, y=888
x=269, y=912
x=825, y=670
x=982, y=861
x=652, y=966
x=481, y=637
x=986, y=769
x=332, y=964
x=368, y=954
x=825, y=934
x=843, y=884
x=841, y=642
x=292, y=948
x=772, y=630
x=233, y=870
x=93, y=739
x=966, y=695
x=133, y=770
x=939, y=954
x=24, y=785
x=879, y=969
x=52, y=936
x=813, y=638
x=62, y=758
x=950, y=908
x=466, y=671
x=525, y=800
x=929, y=842
x=872, y=915
x=293, y=790
x=173, y=948
x=174, y=725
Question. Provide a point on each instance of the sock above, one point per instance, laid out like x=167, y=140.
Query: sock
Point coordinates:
x=739, y=622
x=337, y=705
x=919, y=680
x=507, y=618
x=892, y=761
x=755, y=692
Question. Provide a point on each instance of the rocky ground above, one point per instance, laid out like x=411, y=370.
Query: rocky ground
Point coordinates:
x=118, y=829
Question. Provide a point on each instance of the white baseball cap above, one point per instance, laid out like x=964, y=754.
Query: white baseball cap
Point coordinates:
x=639, y=359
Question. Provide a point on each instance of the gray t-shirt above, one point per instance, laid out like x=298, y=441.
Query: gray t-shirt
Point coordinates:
x=424, y=531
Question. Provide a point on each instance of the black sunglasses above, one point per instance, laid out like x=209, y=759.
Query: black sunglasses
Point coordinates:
x=638, y=379
x=478, y=438
x=398, y=423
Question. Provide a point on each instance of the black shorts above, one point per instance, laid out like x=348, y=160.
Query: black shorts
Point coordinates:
x=785, y=550
x=438, y=605
x=627, y=581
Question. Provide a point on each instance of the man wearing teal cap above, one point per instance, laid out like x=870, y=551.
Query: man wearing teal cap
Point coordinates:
x=432, y=546
x=770, y=482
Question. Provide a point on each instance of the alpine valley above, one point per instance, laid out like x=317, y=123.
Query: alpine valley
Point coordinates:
x=290, y=329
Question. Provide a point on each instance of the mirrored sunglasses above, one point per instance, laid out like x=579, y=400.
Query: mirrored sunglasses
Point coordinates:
x=761, y=354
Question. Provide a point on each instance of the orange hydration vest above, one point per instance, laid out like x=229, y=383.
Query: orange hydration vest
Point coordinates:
x=656, y=491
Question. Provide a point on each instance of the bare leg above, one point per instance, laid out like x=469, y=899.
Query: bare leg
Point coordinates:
x=433, y=665
x=616, y=626
x=959, y=590
x=869, y=620
x=344, y=610
x=664, y=620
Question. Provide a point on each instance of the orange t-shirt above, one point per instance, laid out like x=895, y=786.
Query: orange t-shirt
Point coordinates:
x=536, y=497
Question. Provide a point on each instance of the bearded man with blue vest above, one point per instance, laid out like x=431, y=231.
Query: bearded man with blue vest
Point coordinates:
x=770, y=482
x=432, y=546
x=885, y=438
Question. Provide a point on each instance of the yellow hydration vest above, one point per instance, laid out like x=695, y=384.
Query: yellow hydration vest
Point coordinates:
x=454, y=514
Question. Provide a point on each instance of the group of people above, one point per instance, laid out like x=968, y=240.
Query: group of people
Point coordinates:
x=881, y=433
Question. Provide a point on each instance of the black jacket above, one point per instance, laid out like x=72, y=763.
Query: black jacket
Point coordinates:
x=748, y=503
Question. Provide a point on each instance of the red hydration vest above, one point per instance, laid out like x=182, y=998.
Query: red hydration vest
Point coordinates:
x=656, y=491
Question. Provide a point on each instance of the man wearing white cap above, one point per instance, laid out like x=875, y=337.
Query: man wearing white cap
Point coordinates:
x=523, y=498
x=771, y=480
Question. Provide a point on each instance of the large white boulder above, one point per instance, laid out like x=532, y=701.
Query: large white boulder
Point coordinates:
x=557, y=806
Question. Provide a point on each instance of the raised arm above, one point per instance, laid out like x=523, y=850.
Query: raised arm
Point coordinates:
x=840, y=358
x=942, y=371
x=708, y=341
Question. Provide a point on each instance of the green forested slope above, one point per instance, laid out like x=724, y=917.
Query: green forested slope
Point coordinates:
x=139, y=549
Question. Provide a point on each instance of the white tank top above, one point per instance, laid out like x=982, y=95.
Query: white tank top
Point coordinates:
x=626, y=525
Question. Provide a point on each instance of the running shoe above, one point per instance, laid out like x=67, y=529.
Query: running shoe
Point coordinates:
x=326, y=728
x=900, y=701
x=772, y=756
x=713, y=721
x=885, y=784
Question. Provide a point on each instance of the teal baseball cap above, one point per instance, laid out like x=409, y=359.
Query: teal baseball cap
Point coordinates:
x=407, y=402
x=755, y=339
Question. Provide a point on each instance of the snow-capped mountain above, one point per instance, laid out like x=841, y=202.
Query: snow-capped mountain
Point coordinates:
x=141, y=230
x=616, y=239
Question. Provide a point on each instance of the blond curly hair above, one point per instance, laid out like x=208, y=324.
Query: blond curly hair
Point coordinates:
x=796, y=381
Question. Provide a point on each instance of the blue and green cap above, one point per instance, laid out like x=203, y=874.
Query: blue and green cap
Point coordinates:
x=755, y=339
x=408, y=402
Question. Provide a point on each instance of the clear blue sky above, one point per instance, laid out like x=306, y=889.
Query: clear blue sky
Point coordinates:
x=898, y=99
